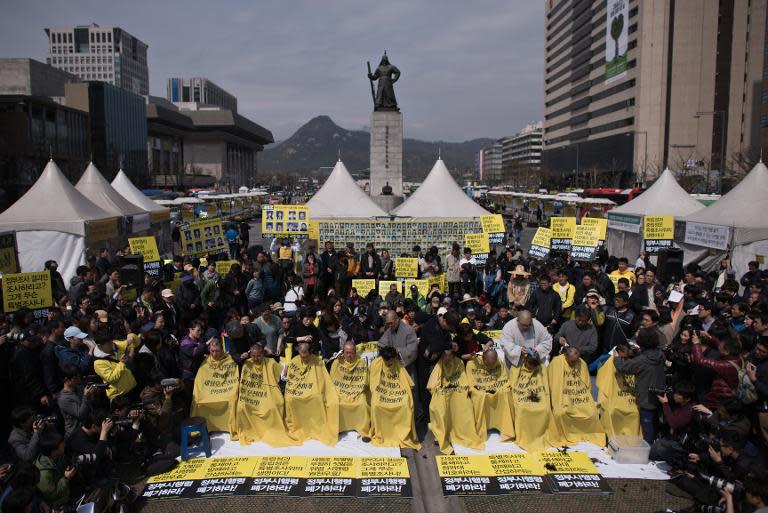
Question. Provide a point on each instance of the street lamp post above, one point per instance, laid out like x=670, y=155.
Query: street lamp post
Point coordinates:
x=723, y=115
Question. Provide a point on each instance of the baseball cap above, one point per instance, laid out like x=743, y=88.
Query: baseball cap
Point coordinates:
x=74, y=331
x=442, y=310
x=167, y=293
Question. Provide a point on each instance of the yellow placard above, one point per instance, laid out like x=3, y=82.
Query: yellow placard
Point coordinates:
x=406, y=267
x=563, y=227
x=27, y=290
x=441, y=280
x=556, y=462
x=463, y=466
x=596, y=221
x=422, y=285
x=146, y=247
x=377, y=467
x=201, y=237
x=8, y=261
x=331, y=466
x=285, y=220
x=542, y=238
x=659, y=227
x=492, y=223
x=586, y=236
x=130, y=294
x=385, y=284
x=760, y=259
x=477, y=242
x=280, y=466
x=363, y=286
x=515, y=464
x=223, y=266
x=493, y=334
x=102, y=229
x=186, y=470
x=230, y=467
x=313, y=230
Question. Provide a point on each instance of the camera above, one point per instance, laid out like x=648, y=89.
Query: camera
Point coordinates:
x=49, y=419
x=659, y=390
x=706, y=508
x=171, y=382
x=122, y=421
x=16, y=337
x=722, y=484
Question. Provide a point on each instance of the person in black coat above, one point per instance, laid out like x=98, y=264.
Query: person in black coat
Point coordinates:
x=27, y=373
x=642, y=294
x=545, y=304
x=187, y=301
x=58, y=289
x=370, y=263
x=306, y=331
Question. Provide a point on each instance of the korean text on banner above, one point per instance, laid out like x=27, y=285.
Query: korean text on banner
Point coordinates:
x=585, y=242
x=563, y=229
x=363, y=286
x=493, y=225
x=658, y=232
x=406, y=267
x=9, y=262
x=541, y=243
x=285, y=221
x=598, y=221
x=421, y=285
x=146, y=247
x=707, y=235
x=313, y=230
x=27, y=290
x=477, y=242
x=101, y=229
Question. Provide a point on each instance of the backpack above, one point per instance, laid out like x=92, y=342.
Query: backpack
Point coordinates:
x=745, y=389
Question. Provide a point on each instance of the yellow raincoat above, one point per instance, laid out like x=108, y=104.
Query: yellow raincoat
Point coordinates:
x=616, y=401
x=351, y=382
x=261, y=407
x=392, y=423
x=214, y=396
x=491, y=398
x=531, y=403
x=451, y=413
x=311, y=402
x=574, y=413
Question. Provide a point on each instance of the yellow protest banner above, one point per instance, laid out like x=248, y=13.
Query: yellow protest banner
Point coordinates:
x=363, y=286
x=597, y=221
x=285, y=221
x=463, y=466
x=223, y=266
x=422, y=285
x=542, y=238
x=569, y=212
x=186, y=470
x=27, y=290
x=9, y=263
x=229, y=467
x=331, y=466
x=556, y=462
x=515, y=464
x=477, y=242
x=586, y=236
x=441, y=280
x=659, y=227
x=313, y=230
x=379, y=467
x=493, y=334
x=385, y=285
x=368, y=351
x=146, y=247
x=492, y=223
x=406, y=267
x=200, y=237
x=100, y=230
x=563, y=227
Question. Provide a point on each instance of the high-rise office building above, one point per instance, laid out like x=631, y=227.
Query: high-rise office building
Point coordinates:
x=106, y=54
x=633, y=86
x=491, y=162
x=191, y=93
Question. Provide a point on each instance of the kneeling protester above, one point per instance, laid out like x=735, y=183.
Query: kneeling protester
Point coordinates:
x=531, y=402
x=491, y=399
x=450, y=411
x=349, y=375
x=261, y=407
x=616, y=401
x=574, y=412
x=214, y=396
x=392, y=423
x=311, y=402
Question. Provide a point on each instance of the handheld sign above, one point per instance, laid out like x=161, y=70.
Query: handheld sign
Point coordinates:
x=597, y=221
x=493, y=225
x=658, y=232
x=147, y=247
x=406, y=267
x=563, y=229
x=541, y=243
x=27, y=290
x=585, y=242
x=478, y=243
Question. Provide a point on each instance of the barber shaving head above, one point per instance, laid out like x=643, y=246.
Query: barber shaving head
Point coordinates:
x=524, y=320
x=392, y=320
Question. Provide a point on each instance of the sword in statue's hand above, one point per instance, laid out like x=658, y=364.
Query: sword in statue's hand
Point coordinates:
x=370, y=79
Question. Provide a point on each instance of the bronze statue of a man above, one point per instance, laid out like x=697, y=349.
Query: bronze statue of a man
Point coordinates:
x=387, y=75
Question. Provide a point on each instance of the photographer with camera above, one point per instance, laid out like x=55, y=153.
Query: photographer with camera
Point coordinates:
x=726, y=368
x=55, y=476
x=26, y=432
x=74, y=402
x=677, y=408
x=89, y=447
x=159, y=425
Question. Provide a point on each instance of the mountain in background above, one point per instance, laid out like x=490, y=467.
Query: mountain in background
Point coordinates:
x=319, y=142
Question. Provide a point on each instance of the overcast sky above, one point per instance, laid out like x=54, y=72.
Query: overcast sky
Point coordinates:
x=469, y=69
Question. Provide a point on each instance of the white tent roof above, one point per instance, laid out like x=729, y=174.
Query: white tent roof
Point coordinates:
x=439, y=196
x=664, y=197
x=123, y=185
x=52, y=204
x=341, y=197
x=743, y=208
x=96, y=188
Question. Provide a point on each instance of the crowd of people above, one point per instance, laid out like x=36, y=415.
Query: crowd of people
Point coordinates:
x=516, y=344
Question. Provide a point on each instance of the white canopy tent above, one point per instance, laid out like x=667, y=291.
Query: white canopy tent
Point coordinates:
x=738, y=219
x=95, y=187
x=51, y=222
x=439, y=196
x=664, y=197
x=159, y=215
x=340, y=197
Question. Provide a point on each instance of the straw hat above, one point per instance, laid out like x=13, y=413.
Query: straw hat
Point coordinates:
x=520, y=271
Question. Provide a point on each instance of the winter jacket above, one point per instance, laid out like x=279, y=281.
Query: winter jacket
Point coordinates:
x=648, y=369
x=114, y=372
x=27, y=376
x=619, y=327
x=80, y=359
x=584, y=339
x=387, y=269
x=545, y=305
x=74, y=408
x=77, y=288
x=452, y=268
x=367, y=271
x=53, y=486
x=726, y=375
x=254, y=291
x=191, y=353
x=24, y=443
x=404, y=340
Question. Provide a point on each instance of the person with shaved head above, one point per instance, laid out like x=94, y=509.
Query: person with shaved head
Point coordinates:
x=523, y=333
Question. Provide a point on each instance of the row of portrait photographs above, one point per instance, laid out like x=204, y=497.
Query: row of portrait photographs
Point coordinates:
x=208, y=231
x=204, y=245
x=285, y=227
x=293, y=215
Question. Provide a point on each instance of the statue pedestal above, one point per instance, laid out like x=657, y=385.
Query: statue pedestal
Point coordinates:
x=387, y=157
